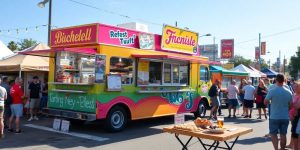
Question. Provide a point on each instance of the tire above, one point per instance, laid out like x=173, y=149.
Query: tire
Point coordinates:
x=116, y=120
x=201, y=110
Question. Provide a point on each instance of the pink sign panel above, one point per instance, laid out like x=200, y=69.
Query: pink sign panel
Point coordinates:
x=118, y=36
x=77, y=35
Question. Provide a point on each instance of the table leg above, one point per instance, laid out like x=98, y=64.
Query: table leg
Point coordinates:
x=217, y=145
x=204, y=146
x=230, y=147
x=213, y=144
x=184, y=146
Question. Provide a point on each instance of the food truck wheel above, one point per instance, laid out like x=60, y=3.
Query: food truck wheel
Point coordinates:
x=117, y=119
x=201, y=110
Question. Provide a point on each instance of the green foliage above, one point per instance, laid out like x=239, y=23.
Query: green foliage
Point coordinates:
x=26, y=43
x=294, y=64
x=237, y=60
x=13, y=46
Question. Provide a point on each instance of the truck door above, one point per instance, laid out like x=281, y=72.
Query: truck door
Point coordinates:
x=204, y=80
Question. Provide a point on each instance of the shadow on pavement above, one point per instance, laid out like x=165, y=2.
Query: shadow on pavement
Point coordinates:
x=31, y=137
x=253, y=140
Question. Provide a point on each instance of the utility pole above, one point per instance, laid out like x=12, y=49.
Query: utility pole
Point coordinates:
x=259, y=45
x=214, y=54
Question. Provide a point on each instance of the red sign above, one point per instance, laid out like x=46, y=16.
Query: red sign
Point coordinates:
x=78, y=35
x=256, y=52
x=227, y=49
x=263, y=48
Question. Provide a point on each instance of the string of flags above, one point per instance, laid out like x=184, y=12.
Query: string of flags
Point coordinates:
x=23, y=29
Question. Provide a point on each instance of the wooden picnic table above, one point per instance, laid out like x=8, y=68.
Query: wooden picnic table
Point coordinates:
x=231, y=132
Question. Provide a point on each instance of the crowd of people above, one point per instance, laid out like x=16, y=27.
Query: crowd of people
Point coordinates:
x=13, y=99
x=281, y=97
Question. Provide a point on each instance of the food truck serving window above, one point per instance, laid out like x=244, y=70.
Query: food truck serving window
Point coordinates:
x=204, y=73
x=151, y=72
x=123, y=67
x=75, y=68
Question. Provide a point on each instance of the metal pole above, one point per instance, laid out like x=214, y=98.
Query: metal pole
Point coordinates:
x=49, y=21
x=259, y=45
x=214, y=41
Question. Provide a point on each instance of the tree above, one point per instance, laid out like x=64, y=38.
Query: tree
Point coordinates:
x=294, y=65
x=13, y=46
x=26, y=43
x=237, y=60
x=263, y=64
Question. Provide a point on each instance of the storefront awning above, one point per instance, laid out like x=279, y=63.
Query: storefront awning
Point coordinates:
x=51, y=52
x=186, y=58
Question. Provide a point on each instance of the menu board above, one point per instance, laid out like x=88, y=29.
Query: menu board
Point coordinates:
x=146, y=41
x=143, y=72
x=100, y=64
x=114, y=83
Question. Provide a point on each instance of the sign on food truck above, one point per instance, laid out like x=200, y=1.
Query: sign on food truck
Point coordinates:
x=77, y=35
x=179, y=40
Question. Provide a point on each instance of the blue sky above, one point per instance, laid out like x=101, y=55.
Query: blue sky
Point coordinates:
x=238, y=19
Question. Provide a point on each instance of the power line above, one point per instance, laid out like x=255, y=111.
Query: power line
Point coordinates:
x=114, y=13
x=271, y=35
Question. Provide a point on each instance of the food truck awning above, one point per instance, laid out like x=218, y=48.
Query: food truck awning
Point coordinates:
x=186, y=58
x=226, y=72
x=51, y=52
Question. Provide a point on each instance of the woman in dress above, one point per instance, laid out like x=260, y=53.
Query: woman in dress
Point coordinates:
x=260, y=94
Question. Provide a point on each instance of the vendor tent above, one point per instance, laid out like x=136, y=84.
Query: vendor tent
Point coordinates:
x=263, y=75
x=270, y=73
x=19, y=63
x=4, y=51
x=220, y=69
x=243, y=68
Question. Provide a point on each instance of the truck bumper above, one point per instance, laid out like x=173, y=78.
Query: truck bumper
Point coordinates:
x=69, y=114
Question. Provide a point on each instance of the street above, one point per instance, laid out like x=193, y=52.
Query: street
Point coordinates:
x=141, y=134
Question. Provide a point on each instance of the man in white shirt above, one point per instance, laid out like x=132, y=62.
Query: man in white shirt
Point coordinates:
x=249, y=98
x=232, y=98
x=3, y=96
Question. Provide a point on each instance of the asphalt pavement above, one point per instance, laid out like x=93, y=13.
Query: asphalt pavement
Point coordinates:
x=139, y=135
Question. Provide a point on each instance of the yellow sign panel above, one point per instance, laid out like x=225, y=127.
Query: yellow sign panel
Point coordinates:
x=143, y=66
x=228, y=66
x=179, y=40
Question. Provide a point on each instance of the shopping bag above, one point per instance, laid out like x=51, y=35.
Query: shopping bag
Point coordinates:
x=259, y=98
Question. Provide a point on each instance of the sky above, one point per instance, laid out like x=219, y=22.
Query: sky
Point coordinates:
x=241, y=20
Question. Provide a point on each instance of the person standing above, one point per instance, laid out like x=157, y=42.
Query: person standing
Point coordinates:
x=232, y=98
x=3, y=96
x=294, y=116
x=281, y=99
x=214, y=96
x=34, y=98
x=16, y=106
x=249, y=90
x=261, y=92
x=242, y=94
x=7, y=102
x=44, y=98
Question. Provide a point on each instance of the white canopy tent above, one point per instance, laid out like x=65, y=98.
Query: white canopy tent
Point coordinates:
x=4, y=51
x=243, y=68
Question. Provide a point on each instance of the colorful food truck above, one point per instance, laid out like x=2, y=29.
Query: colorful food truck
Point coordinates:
x=103, y=72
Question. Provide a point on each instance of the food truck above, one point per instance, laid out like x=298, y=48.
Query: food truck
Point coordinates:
x=114, y=74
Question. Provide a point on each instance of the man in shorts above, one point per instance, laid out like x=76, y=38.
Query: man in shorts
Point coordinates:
x=281, y=99
x=17, y=105
x=214, y=97
x=248, y=98
x=3, y=96
x=232, y=98
x=34, y=99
